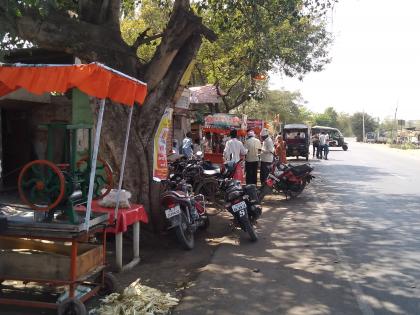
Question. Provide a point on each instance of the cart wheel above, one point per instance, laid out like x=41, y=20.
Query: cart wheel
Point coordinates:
x=110, y=284
x=71, y=306
x=41, y=185
x=103, y=177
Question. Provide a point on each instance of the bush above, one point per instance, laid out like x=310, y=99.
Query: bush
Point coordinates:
x=405, y=146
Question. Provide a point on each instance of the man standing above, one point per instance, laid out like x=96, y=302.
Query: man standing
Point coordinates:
x=315, y=145
x=323, y=142
x=187, y=145
x=253, y=145
x=267, y=153
x=234, y=148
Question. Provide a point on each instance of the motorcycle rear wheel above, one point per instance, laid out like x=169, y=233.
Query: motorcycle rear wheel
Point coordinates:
x=183, y=233
x=250, y=230
x=294, y=193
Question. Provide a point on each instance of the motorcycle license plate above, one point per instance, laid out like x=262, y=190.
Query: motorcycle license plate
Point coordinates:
x=239, y=206
x=171, y=212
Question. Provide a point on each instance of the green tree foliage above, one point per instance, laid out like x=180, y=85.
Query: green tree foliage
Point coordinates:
x=327, y=118
x=257, y=36
x=357, y=124
x=288, y=105
x=344, y=124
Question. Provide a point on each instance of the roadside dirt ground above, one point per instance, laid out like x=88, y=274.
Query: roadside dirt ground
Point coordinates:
x=164, y=265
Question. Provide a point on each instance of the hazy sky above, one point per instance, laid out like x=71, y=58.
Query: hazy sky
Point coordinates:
x=375, y=61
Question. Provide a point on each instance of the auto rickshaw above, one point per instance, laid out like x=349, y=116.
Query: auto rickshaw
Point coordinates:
x=297, y=138
x=336, y=137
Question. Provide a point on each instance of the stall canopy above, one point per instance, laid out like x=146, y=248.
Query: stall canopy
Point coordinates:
x=94, y=79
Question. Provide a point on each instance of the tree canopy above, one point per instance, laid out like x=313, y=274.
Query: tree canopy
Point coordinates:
x=156, y=41
x=357, y=124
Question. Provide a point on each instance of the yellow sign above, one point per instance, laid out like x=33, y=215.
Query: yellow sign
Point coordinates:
x=160, y=162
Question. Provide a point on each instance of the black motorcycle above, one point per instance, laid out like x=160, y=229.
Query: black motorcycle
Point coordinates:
x=243, y=204
x=185, y=212
x=286, y=178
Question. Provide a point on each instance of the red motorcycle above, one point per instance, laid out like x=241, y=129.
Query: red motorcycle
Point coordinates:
x=286, y=178
x=184, y=212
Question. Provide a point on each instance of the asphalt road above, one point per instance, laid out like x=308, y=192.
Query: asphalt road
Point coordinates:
x=348, y=245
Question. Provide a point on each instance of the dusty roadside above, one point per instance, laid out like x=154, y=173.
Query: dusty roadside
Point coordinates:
x=164, y=264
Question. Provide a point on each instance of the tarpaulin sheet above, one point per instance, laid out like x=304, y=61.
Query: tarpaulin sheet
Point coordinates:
x=93, y=79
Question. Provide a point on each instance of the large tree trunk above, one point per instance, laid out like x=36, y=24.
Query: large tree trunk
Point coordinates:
x=96, y=37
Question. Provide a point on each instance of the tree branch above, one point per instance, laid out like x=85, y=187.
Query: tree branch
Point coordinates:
x=143, y=38
x=236, y=82
x=114, y=10
x=182, y=24
x=87, y=41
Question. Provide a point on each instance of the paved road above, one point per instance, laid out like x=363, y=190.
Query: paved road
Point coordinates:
x=348, y=245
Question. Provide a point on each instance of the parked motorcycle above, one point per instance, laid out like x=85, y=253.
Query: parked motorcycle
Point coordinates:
x=243, y=204
x=186, y=213
x=286, y=178
x=209, y=183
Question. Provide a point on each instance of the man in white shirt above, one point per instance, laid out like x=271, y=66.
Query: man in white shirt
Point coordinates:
x=323, y=143
x=253, y=145
x=234, y=148
x=267, y=154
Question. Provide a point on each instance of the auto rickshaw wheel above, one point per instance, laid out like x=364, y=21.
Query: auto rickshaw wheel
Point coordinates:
x=345, y=147
x=103, y=177
x=41, y=185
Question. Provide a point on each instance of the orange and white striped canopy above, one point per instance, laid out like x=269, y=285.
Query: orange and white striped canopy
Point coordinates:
x=93, y=79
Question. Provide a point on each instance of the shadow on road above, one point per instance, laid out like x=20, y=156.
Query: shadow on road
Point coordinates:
x=296, y=268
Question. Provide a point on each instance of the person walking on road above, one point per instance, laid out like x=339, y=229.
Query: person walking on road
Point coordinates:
x=280, y=149
x=267, y=154
x=253, y=145
x=323, y=142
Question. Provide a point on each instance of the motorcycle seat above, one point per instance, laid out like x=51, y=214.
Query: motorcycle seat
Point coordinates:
x=211, y=172
x=179, y=193
x=301, y=169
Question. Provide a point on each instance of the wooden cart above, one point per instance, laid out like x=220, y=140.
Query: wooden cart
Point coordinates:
x=59, y=256
x=60, y=264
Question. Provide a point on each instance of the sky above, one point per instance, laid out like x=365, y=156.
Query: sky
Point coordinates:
x=375, y=63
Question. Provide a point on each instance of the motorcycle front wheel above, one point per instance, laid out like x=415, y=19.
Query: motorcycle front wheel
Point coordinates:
x=184, y=234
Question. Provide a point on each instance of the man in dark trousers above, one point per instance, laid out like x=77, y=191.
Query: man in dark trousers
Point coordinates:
x=267, y=154
x=253, y=145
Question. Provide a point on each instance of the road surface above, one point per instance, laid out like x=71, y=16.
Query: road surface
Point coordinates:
x=350, y=244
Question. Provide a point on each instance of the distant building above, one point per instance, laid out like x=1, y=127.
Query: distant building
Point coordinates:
x=412, y=123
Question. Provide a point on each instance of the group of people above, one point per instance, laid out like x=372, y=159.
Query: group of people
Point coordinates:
x=320, y=145
x=256, y=152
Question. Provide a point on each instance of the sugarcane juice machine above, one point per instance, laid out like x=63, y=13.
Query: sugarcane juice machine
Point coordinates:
x=54, y=186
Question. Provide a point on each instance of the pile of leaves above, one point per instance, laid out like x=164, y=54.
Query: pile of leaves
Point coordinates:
x=137, y=299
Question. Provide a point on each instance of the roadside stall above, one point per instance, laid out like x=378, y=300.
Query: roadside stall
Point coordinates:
x=256, y=125
x=216, y=132
x=49, y=241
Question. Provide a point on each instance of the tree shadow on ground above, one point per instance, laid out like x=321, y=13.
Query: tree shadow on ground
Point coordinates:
x=311, y=258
